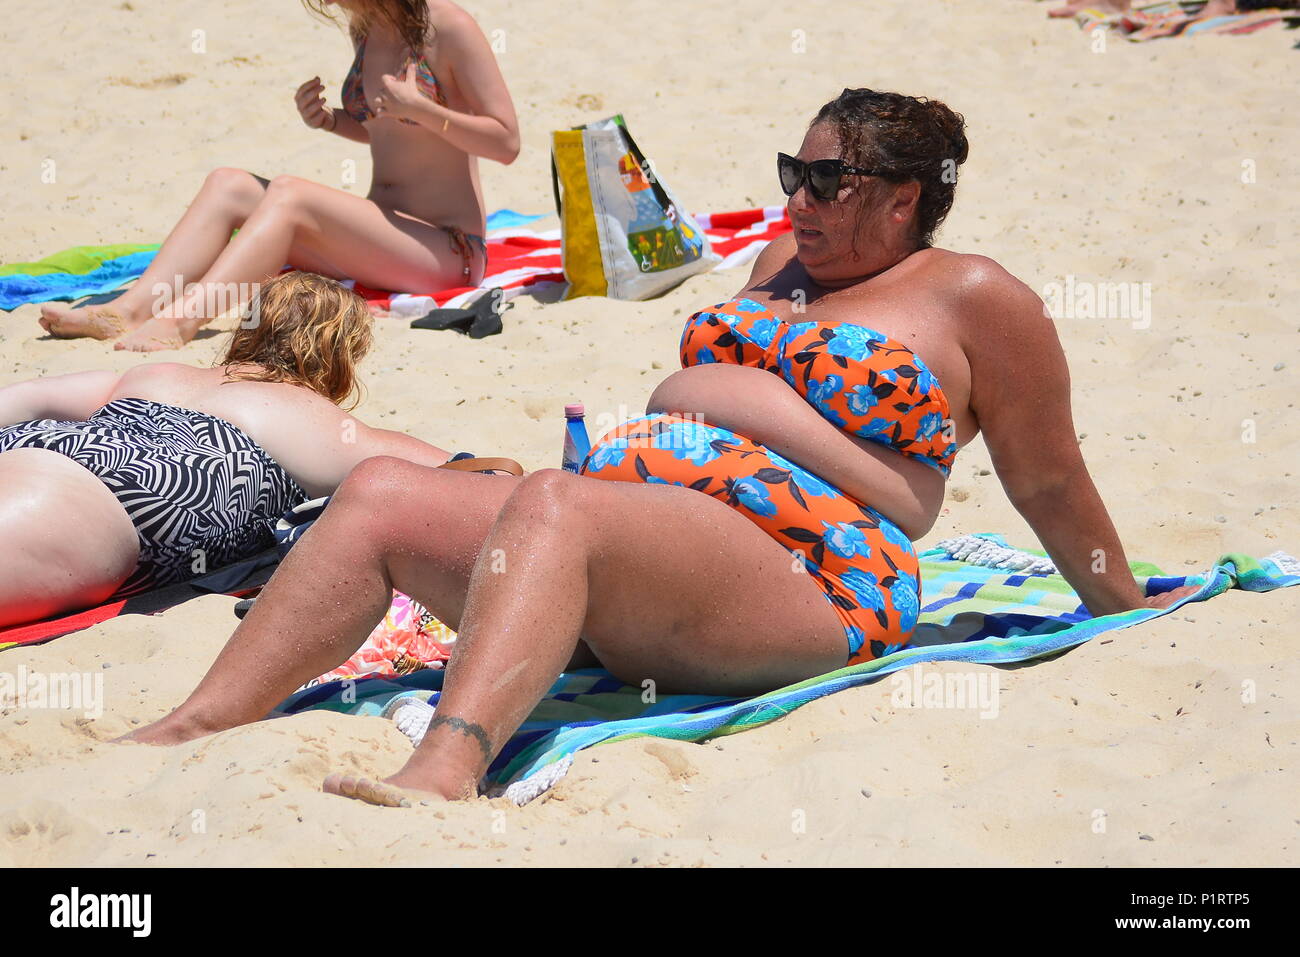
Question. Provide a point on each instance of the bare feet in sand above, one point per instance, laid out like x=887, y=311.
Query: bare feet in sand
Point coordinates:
x=86, y=322
x=377, y=793
x=167, y=731
x=402, y=789
x=160, y=332
x=1074, y=6
x=133, y=332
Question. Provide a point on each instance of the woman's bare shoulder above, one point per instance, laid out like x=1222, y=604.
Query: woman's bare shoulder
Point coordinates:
x=167, y=382
x=970, y=274
x=452, y=24
x=988, y=297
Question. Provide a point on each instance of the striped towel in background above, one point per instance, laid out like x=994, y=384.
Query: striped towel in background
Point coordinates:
x=520, y=260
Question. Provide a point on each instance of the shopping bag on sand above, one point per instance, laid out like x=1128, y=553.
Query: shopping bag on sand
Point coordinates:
x=623, y=234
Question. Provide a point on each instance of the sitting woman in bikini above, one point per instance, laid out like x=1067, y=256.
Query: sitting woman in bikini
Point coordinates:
x=425, y=93
x=755, y=529
x=111, y=484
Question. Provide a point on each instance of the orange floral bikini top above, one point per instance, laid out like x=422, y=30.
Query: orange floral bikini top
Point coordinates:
x=864, y=382
x=357, y=106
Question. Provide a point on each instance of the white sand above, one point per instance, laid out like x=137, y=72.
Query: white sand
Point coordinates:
x=1122, y=166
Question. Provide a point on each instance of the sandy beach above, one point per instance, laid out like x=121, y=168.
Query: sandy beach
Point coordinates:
x=1169, y=165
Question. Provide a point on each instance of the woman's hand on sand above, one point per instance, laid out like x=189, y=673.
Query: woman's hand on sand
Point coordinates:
x=311, y=105
x=401, y=95
x=1167, y=598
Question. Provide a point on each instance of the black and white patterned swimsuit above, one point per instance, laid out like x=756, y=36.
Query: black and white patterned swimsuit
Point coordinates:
x=200, y=492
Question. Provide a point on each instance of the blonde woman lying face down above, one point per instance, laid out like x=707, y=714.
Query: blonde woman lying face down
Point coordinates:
x=114, y=483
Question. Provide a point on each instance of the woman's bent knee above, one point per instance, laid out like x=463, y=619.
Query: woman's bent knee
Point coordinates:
x=238, y=187
x=549, y=497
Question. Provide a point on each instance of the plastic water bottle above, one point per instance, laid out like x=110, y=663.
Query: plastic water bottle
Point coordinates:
x=576, y=441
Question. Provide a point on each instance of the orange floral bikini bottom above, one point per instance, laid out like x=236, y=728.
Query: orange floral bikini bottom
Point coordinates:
x=863, y=563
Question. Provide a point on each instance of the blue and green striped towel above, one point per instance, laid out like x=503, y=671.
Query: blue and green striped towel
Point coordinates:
x=91, y=270
x=973, y=613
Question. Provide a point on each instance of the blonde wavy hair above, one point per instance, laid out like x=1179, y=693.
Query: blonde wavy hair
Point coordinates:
x=410, y=18
x=303, y=329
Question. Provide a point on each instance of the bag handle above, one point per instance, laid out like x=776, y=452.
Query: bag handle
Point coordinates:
x=509, y=466
x=660, y=193
x=555, y=183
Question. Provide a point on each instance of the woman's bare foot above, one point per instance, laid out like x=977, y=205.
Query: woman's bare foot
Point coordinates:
x=167, y=731
x=87, y=322
x=390, y=792
x=1074, y=6
x=160, y=332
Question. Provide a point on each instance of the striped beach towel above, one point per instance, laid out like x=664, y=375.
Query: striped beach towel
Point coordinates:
x=1171, y=18
x=520, y=261
x=997, y=605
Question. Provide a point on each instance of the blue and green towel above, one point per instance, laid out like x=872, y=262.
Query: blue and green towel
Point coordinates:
x=73, y=273
x=974, y=613
x=92, y=270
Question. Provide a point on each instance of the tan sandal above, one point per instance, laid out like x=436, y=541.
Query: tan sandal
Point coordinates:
x=486, y=465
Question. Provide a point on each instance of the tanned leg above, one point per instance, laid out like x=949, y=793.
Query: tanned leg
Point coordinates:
x=314, y=227
x=226, y=199
x=664, y=583
x=391, y=525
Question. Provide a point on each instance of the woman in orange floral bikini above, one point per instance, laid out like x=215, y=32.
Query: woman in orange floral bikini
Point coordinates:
x=757, y=529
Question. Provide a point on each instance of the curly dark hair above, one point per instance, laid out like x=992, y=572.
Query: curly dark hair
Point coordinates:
x=906, y=138
x=410, y=18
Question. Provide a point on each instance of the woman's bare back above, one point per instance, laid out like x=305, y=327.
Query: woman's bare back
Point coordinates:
x=316, y=442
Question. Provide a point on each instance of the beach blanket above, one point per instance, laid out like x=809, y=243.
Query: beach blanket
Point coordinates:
x=1167, y=19
x=408, y=639
x=994, y=608
x=520, y=261
x=73, y=273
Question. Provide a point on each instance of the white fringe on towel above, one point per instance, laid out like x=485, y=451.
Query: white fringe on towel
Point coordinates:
x=1288, y=563
x=530, y=788
x=981, y=551
x=412, y=717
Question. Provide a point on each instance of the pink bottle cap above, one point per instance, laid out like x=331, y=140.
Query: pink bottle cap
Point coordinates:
x=574, y=409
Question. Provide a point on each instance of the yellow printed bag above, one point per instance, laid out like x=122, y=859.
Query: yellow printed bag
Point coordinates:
x=623, y=234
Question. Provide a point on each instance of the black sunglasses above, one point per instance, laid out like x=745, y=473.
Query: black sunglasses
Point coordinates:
x=823, y=176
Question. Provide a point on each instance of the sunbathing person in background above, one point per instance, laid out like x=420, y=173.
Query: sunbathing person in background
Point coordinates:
x=425, y=94
x=111, y=484
x=756, y=528
x=1213, y=8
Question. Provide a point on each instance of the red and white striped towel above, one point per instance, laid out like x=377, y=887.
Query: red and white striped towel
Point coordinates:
x=528, y=261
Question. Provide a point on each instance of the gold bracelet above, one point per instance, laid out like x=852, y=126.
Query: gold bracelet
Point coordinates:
x=446, y=120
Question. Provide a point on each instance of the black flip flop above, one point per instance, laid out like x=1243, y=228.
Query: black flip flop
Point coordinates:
x=481, y=319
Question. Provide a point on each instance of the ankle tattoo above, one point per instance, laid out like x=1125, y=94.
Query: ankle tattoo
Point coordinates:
x=466, y=728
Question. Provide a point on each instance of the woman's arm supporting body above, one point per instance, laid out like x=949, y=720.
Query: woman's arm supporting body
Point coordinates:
x=1020, y=393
